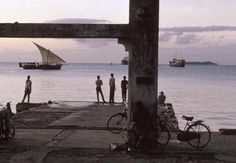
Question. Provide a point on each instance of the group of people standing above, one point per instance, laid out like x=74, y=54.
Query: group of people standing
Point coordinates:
x=112, y=85
x=99, y=83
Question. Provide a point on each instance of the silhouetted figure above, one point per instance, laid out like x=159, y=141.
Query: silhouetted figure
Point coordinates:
x=112, y=84
x=124, y=86
x=28, y=88
x=5, y=114
x=161, y=98
x=99, y=84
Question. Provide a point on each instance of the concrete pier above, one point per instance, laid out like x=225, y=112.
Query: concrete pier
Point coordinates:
x=76, y=132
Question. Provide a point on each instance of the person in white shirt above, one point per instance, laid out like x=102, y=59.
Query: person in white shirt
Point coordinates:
x=99, y=84
x=112, y=85
x=28, y=88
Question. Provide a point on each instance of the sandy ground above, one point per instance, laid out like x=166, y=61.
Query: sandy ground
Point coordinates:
x=76, y=132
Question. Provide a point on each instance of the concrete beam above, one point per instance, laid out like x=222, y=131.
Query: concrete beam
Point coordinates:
x=34, y=30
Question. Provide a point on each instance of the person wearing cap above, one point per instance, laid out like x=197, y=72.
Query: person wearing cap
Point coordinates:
x=99, y=84
x=161, y=98
x=112, y=84
x=28, y=88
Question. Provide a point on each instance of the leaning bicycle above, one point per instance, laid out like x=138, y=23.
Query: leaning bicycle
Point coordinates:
x=196, y=133
x=118, y=122
x=7, y=127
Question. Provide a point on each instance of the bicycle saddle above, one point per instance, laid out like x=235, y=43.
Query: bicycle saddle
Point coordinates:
x=187, y=118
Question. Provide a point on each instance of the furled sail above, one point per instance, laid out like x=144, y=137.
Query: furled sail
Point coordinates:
x=48, y=56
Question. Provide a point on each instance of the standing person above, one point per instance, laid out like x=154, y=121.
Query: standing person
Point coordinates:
x=124, y=86
x=99, y=84
x=112, y=85
x=28, y=88
x=161, y=98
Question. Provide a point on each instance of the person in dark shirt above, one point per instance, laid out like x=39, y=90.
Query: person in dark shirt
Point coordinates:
x=112, y=84
x=99, y=84
x=28, y=89
x=161, y=98
x=124, y=86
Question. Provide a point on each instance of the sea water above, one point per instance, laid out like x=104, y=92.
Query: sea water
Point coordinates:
x=206, y=92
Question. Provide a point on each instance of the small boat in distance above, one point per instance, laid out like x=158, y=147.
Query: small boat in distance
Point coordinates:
x=50, y=61
x=125, y=60
x=177, y=63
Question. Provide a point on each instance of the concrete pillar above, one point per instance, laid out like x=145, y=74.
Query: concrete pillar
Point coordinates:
x=143, y=55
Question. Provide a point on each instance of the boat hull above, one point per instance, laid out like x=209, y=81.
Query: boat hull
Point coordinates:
x=177, y=63
x=124, y=62
x=42, y=66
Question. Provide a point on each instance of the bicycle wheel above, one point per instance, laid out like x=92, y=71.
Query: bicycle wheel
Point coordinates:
x=117, y=123
x=202, y=135
x=12, y=129
x=163, y=135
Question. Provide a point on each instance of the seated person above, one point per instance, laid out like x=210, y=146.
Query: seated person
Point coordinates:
x=161, y=98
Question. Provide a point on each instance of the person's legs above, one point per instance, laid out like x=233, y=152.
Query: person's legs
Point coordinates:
x=102, y=96
x=24, y=97
x=28, y=97
x=125, y=95
x=112, y=94
x=97, y=91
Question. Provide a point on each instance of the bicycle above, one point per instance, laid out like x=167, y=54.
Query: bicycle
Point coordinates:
x=7, y=127
x=118, y=122
x=196, y=133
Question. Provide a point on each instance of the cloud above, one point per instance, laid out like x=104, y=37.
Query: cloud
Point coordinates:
x=90, y=43
x=80, y=21
x=187, y=38
x=166, y=36
x=95, y=43
x=199, y=29
x=202, y=35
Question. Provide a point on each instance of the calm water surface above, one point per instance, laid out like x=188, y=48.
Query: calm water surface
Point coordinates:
x=205, y=92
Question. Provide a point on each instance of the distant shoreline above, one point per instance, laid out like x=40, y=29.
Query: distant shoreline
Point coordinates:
x=201, y=63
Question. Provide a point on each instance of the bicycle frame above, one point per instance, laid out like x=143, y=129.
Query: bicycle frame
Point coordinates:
x=176, y=130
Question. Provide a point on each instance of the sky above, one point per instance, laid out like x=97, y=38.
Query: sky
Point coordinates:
x=195, y=30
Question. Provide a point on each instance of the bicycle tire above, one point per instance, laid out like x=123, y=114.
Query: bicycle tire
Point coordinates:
x=204, y=135
x=163, y=135
x=117, y=123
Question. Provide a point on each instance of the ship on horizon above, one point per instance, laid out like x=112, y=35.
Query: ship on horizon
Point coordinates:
x=125, y=60
x=177, y=63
